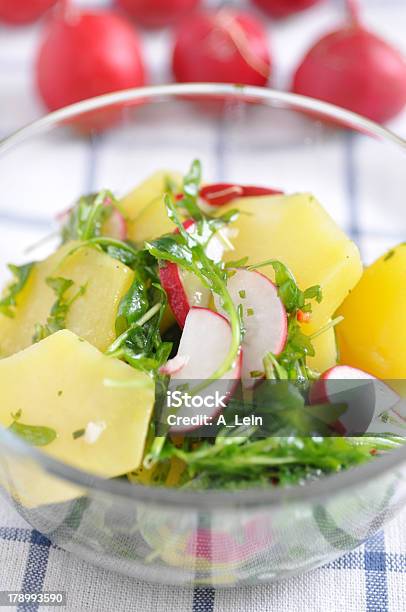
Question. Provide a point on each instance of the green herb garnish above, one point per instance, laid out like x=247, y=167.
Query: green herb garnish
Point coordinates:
x=33, y=434
x=57, y=317
x=79, y=433
x=88, y=215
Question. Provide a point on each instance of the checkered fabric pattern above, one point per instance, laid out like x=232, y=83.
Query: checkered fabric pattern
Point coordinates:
x=371, y=578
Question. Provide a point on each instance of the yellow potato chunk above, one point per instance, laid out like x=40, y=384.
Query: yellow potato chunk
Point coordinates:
x=325, y=346
x=31, y=486
x=59, y=383
x=298, y=231
x=373, y=334
x=92, y=316
x=145, y=210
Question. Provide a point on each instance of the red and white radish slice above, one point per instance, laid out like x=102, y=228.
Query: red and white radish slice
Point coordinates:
x=184, y=289
x=365, y=395
x=218, y=194
x=264, y=317
x=204, y=346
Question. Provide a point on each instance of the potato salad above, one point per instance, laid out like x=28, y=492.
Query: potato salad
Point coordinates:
x=251, y=299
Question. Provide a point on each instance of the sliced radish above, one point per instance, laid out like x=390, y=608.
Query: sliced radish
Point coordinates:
x=205, y=342
x=219, y=194
x=365, y=396
x=183, y=288
x=264, y=316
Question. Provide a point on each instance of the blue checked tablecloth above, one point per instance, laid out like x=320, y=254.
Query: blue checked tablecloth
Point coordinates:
x=373, y=577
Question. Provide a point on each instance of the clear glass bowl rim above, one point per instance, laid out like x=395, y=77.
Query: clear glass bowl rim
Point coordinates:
x=256, y=497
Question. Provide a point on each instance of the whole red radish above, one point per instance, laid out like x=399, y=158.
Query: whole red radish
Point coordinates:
x=284, y=8
x=356, y=69
x=224, y=46
x=20, y=12
x=157, y=13
x=87, y=53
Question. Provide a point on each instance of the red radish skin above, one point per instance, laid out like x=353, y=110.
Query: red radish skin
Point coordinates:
x=21, y=12
x=219, y=194
x=173, y=286
x=264, y=316
x=224, y=47
x=157, y=13
x=87, y=53
x=354, y=68
x=284, y=8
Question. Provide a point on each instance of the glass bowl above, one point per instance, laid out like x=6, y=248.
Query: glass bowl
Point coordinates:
x=242, y=134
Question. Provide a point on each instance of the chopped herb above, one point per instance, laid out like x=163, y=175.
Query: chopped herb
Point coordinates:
x=33, y=434
x=79, y=433
x=256, y=374
x=250, y=312
x=389, y=255
x=242, y=293
x=21, y=275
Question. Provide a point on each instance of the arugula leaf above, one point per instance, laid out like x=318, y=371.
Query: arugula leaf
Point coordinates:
x=140, y=343
x=57, y=317
x=292, y=297
x=240, y=462
x=191, y=188
x=21, y=275
x=172, y=247
x=132, y=306
x=88, y=215
x=33, y=434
